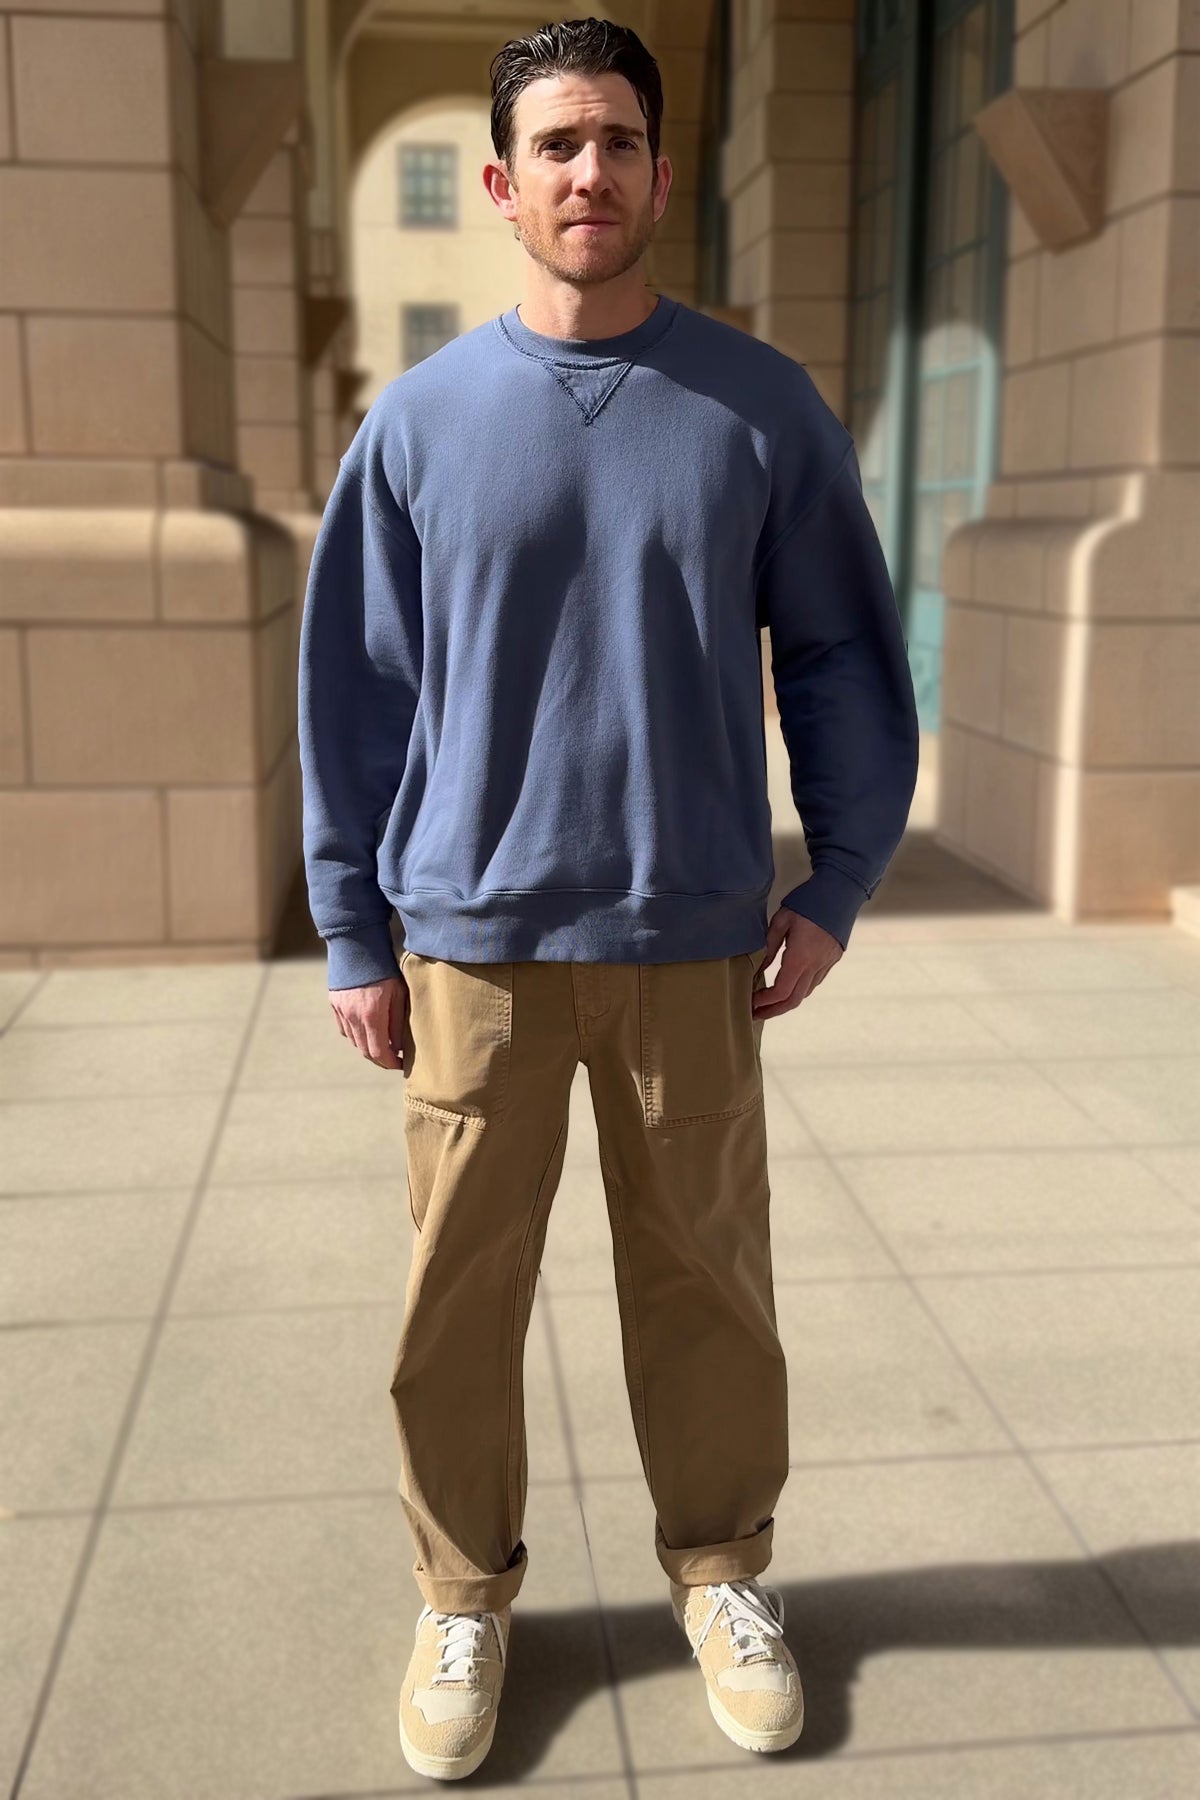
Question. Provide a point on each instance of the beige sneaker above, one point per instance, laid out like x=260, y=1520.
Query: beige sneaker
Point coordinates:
x=735, y=1629
x=452, y=1690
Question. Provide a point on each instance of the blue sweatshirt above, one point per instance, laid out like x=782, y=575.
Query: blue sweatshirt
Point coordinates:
x=531, y=708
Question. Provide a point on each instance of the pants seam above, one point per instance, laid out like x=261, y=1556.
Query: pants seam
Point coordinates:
x=618, y=1220
x=512, y=1352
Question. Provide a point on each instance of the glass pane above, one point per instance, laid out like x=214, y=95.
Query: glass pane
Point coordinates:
x=929, y=539
x=956, y=509
x=929, y=434
x=884, y=213
x=886, y=163
x=879, y=340
x=933, y=342
x=971, y=63
x=962, y=335
x=863, y=278
x=869, y=151
x=966, y=189
x=960, y=425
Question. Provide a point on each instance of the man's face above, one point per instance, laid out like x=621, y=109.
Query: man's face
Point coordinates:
x=581, y=152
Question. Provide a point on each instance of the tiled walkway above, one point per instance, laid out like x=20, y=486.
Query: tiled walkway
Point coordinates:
x=985, y=1142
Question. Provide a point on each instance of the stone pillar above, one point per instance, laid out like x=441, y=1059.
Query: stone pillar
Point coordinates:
x=150, y=801
x=786, y=176
x=1070, y=752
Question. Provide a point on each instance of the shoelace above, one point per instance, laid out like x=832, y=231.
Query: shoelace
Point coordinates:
x=460, y=1640
x=749, y=1614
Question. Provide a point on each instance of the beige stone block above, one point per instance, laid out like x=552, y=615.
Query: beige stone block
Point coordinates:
x=213, y=853
x=184, y=109
x=76, y=564
x=280, y=818
x=1036, y=419
x=1181, y=311
x=1116, y=400
x=787, y=197
x=1009, y=565
x=1036, y=655
x=1021, y=236
x=1185, y=152
x=1001, y=499
x=1154, y=31
x=263, y=252
x=1077, y=296
x=13, y=769
x=1020, y=311
x=807, y=125
x=80, y=868
x=204, y=285
x=218, y=567
x=91, y=90
x=1055, y=788
x=268, y=390
x=682, y=70
x=1144, y=696
x=1142, y=296
x=275, y=671
x=1030, y=57
x=6, y=136
x=1141, y=138
x=166, y=705
x=266, y=321
x=207, y=383
x=1028, y=12
x=808, y=330
x=1088, y=41
x=1139, y=835
x=809, y=58
x=1000, y=798
x=972, y=667
x=96, y=240
x=829, y=379
x=272, y=454
x=13, y=438
x=275, y=191
x=953, y=750
x=1181, y=400
x=104, y=387
x=66, y=482
x=810, y=264
x=1056, y=498
x=958, y=560
x=675, y=265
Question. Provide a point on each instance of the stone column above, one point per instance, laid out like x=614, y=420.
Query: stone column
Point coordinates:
x=150, y=801
x=786, y=177
x=1070, y=753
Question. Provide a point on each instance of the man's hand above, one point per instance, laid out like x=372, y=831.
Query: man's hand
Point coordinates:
x=809, y=953
x=374, y=1018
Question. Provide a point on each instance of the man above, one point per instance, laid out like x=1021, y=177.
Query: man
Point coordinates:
x=531, y=719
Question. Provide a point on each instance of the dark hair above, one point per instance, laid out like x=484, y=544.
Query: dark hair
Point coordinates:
x=573, y=47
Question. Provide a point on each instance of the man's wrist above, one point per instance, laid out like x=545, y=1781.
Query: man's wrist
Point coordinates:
x=829, y=899
x=361, y=956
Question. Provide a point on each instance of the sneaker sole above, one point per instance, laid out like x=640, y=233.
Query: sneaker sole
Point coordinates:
x=742, y=1735
x=447, y=1768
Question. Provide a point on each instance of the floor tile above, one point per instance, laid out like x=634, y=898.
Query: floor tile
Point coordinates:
x=1083, y=1358
x=256, y=1405
x=65, y=1146
x=1022, y=1209
x=1139, y=1022
x=1023, y=966
x=16, y=985
x=193, y=1056
x=87, y=1256
x=1139, y=1511
x=1177, y=1165
x=63, y=1393
x=38, y=1559
x=317, y=1134
x=828, y=1028
x=817, y=1229
x=927, y=1604
x=166, y=993
x=894, y=1106
x=1148, y=1100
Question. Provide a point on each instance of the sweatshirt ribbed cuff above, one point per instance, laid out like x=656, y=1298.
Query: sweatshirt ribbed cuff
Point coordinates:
x=830, y=899
x=359, y=957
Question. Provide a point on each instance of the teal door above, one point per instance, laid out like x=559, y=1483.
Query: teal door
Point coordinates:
x=924, y=402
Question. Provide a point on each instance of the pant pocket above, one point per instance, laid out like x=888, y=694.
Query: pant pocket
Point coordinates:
x=460, y=1032
x=699, y=1052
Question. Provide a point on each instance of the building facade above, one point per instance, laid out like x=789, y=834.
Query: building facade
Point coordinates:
x=974, y=221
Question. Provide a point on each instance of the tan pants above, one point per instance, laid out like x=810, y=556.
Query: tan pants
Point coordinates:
x=673, y=1055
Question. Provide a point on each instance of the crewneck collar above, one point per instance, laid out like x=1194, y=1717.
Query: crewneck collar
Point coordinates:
x=585, y=351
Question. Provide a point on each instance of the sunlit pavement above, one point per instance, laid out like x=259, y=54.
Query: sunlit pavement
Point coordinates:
x=985, y=1171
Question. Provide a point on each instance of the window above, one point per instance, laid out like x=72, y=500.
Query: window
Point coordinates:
x=428, y=181
x=424, y=329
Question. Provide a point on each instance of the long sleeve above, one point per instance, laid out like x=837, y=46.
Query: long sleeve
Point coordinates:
x=839, y=661
x=359, y=679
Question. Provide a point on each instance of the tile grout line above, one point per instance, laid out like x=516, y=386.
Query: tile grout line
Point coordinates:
x=576, y=1483
x=128, y=1417
x=977, y=1382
